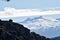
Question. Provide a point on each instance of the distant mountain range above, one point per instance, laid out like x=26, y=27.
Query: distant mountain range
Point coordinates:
x=43, y=25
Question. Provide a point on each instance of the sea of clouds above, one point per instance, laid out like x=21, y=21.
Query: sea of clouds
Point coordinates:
x=12, y=12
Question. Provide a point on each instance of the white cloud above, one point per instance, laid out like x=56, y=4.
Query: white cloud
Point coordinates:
x=12, y=12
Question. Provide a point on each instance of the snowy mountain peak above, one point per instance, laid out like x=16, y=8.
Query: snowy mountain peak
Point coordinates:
x=40, y=22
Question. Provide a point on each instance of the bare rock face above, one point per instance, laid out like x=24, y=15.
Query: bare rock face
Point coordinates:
x=14, y=31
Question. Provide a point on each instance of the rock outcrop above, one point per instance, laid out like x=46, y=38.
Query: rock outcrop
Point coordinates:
x=10, y=30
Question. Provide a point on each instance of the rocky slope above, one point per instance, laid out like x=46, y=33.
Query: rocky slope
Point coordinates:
x=14, y=31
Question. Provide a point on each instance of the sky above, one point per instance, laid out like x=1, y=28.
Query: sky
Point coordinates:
x=19, y=8
x=39, y=5
x=31, y=4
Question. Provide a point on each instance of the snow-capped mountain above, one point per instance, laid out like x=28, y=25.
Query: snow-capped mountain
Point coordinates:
x=43, y=25
x=40, y=22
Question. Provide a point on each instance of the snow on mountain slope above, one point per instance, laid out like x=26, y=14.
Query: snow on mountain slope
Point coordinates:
x=40, y=22
x=46, y=26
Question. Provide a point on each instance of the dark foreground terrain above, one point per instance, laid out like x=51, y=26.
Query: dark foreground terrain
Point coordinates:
x=14, y=31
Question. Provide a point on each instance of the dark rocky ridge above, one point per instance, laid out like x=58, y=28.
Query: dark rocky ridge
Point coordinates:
x=14, y=31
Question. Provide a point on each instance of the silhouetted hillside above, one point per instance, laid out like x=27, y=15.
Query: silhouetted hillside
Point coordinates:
x=38, y=37
x=14, y=31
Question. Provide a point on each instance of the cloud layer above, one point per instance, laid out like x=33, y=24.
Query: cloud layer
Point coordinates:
x=12, y=12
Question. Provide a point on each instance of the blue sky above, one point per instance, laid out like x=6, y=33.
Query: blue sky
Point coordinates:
x=31, y=4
